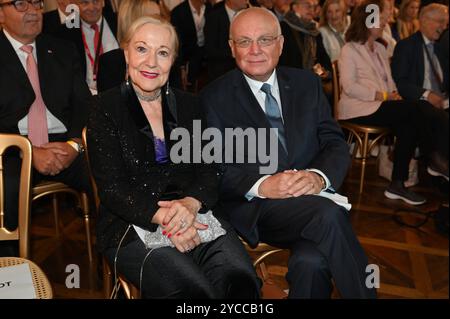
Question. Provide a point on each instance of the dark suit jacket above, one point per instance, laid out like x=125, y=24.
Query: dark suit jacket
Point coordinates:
x=218, y=52
x=291, y=55
x=408, y=66
x=314, y=140
x=111, y=70
x=64, y=91
x=51, y=23
x=74, y=35
x=181, y=18
x=122, y=158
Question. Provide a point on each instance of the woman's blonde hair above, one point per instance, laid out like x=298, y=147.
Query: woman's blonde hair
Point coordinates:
x=323, y=14
x=154, y=20
x=402, y=9
x=130, y=11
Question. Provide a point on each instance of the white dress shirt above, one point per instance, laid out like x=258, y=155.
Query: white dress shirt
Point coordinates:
x=109, y=43
x=199, y=21
x=255, y=87
x=54, y=125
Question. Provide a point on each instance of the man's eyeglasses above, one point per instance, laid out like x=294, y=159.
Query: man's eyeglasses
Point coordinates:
x=263, y=41
x=22, y=5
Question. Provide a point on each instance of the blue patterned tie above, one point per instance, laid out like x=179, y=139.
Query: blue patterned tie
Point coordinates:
x=273, y=114
x=435, y=86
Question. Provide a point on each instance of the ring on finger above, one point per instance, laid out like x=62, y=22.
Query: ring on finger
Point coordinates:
x=182, y=223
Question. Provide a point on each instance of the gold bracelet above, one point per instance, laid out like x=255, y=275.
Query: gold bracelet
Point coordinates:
x=385, y=96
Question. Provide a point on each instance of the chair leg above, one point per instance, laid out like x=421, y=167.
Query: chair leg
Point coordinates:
x=107, y=279
x=55, y=213
x=363, y=161
x=85, y=208
x=264, y=272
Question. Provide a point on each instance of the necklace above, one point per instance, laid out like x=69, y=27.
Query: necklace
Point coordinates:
x=148, y=98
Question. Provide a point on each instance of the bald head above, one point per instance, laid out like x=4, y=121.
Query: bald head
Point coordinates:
x=245, y=17
x=433, y=20
x=256, y=42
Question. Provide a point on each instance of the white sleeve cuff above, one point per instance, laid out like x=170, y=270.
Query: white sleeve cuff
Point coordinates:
x=327, y=181
x=253, y=192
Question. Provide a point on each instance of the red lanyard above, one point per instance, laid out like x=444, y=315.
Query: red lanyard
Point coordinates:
x=97, y=47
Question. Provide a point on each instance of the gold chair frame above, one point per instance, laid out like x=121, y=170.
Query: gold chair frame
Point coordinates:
x=21, y=233
x=41, y=284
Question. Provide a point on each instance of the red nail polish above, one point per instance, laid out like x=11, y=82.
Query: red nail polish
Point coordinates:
x=178, y=234
x=170, y=235
x=164, y=224
x=164, y=232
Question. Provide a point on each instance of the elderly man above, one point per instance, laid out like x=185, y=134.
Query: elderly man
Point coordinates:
x=418, y=66
x=420, y=70
x=281, y=209
x=96, y=35
x=43, y=97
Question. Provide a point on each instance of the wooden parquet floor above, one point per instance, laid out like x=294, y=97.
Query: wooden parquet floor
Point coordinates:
x=413, y=263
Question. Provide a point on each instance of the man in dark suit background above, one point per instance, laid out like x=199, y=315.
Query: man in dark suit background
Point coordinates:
x=217, y=27
x=280, y=209
x=48, y=103
x=96, y=35
x=420, y=70
x=415, y=77
x=188, y=18
x=55, y=20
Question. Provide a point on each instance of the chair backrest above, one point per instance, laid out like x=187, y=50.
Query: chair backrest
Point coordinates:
x=21, y=233
x=336, y=88
x=91, y=177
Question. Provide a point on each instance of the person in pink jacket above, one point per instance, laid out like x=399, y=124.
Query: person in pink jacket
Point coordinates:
x=369, y=96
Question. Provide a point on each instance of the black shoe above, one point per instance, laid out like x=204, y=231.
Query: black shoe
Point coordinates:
x=398, y=191
x=434, y=172
x=438, y=166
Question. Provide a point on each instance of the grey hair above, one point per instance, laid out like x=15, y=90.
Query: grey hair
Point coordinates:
x=432, y=9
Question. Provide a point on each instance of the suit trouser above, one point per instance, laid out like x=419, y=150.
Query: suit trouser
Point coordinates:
x=218, y=269
x=322, y=243
x=75, y=176
x=414, y=124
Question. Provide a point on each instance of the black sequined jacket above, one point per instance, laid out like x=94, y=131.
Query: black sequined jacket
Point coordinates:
x=122, y=159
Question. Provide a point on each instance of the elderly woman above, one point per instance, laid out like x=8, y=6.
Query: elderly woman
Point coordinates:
x=111, y=65
x=147, y=199
x=369, y=96
x=333, y=24
x=407, y=19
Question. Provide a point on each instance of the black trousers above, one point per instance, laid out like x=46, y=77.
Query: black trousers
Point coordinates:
x=322, y=244
x=218, y=269
x=414, y=124
x=75, y=176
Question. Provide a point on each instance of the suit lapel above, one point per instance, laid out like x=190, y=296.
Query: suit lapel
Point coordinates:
x=421, y=58
x=287, y=107
x=361, y=49
x=12, y=66
x=248, y=101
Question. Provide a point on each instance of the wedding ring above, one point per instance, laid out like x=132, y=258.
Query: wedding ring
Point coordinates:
x=182, y=223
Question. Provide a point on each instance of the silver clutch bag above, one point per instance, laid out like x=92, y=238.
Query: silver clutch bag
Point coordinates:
x=156, y=239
